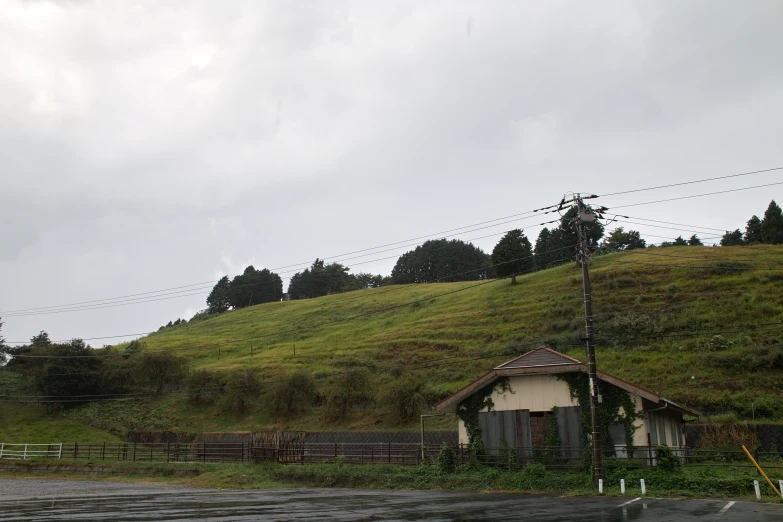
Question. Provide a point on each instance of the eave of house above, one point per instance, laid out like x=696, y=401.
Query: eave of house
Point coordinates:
x=450, y=403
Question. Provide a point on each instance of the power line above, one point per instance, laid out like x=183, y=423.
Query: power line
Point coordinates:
x=183, y=293
x=698, y=195
x=679, y=224
x=304, y=264
x=298, y=329
x=691, y=182
x=6, y=312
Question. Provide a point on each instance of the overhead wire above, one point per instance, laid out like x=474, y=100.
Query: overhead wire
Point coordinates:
x=692, y=182
x=303, y=264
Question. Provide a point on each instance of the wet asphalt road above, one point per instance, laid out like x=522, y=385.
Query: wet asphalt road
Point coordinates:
x=120, y=502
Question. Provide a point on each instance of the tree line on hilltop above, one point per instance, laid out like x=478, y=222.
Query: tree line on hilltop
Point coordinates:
x=768, y=230
x=444, y=260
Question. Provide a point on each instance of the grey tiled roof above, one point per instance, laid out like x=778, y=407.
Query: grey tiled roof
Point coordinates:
x=538, y=357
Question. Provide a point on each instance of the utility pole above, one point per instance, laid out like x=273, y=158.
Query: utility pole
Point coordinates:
x=585, y=216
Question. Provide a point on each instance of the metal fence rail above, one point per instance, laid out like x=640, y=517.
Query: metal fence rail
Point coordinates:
x=160, y=452
x=406, y=454
x=30, y=451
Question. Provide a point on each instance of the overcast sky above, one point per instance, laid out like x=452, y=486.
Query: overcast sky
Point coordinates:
x=149, y=145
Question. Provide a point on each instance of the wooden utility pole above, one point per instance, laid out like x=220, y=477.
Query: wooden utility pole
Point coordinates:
x=586, y=216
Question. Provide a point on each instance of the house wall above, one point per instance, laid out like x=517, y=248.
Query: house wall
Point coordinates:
x=534, y=393
x=528, y=392
x=543, y=392
x=640, y=435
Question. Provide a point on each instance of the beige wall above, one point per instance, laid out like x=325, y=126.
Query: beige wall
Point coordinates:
x=463, y=434
x=534, y=393
x=543, y=392
x=640, y=435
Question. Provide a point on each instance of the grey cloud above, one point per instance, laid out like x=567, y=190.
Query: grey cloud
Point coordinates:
x=145, y=144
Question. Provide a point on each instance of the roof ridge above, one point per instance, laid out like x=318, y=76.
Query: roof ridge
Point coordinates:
x=530, y=353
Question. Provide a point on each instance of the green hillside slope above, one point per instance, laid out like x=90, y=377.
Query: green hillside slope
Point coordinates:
x=657, y=315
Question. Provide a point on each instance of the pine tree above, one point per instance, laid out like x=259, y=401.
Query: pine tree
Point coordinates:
x=541, y=249
x=695, y=241
x=513, y=255
x=753, y=231
x=218, y=299
x=772, y=225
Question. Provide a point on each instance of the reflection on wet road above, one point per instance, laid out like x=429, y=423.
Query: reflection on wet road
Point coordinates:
x=339, y=504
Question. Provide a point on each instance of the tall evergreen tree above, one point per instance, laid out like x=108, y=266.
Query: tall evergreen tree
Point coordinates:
x=513, y=255
x=753, y=230
x=695, y=241
x=541, y=249
x=219, y=300
x=772, y=225
x=732, y=238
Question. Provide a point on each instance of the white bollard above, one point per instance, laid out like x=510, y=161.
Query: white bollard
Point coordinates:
x=758, y=491
x=622, y=486
x=644, y=488
x=601, y=486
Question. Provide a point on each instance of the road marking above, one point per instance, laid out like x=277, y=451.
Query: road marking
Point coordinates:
x=726, y=507
x=629, y=502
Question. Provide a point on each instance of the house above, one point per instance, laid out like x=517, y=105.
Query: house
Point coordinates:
x=532, y=392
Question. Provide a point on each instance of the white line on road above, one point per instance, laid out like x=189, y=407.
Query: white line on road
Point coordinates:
x=629, y=502
x=726, y=507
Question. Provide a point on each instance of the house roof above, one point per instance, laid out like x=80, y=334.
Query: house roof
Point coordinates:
x=547, y=361
x=539, y=357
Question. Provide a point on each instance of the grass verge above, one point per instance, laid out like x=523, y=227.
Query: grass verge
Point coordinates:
x=735, y=483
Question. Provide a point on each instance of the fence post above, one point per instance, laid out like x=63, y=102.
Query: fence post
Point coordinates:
x=60, y=454
x=335, y=452
x=361, y=459
x=103, y=452
x=168, y=452
x=2, y=445
x=25, y=452
x=134, y=452
x=390, y=453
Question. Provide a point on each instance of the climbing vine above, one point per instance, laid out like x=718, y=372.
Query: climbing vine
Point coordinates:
x=552, y=441
x=612, y=400
x=468, y=412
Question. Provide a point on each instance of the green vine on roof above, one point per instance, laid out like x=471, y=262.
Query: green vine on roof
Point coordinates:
x=468, y=412
x=613, y=399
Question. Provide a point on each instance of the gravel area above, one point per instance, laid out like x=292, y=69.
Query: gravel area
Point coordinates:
x=14, y=489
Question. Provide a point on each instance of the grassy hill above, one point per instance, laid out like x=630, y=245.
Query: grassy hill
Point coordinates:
x=657, y=311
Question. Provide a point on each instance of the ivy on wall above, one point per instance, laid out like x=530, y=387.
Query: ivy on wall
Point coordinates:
x=613, y=399
x=468, y=412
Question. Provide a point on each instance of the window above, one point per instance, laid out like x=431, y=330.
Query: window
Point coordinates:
x=661, y=422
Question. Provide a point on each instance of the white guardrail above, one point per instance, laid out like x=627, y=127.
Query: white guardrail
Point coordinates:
x=30, y=451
